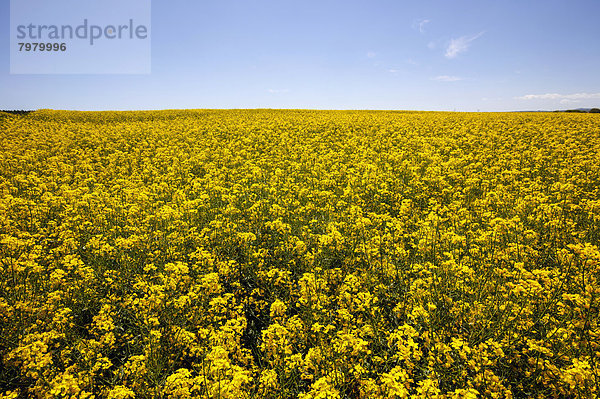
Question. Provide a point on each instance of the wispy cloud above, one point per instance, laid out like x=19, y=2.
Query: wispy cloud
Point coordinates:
x=393, y=70
x=371, y=54
x=422, y=24
x=460, y=45
x=561, y=97
x=277, y=91
x=446, y=78
x=568, y=101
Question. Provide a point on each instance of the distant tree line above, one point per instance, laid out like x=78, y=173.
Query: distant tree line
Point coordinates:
x=16, y=111
x=591, y=111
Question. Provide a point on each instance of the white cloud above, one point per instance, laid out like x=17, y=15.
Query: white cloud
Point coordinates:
x=393, y=70
x=460, y=45
x=446, y=78
x=371, y=54
x=419, y=24
x=567, y=101
x=277, y=91
x=562, y=97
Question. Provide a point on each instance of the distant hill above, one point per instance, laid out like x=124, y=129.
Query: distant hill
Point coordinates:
x=589, y=110
x=580, y=110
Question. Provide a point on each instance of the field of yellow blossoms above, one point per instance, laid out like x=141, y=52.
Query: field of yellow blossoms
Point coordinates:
x=299, y=254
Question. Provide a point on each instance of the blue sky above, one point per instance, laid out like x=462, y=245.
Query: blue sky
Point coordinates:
x=418, y=55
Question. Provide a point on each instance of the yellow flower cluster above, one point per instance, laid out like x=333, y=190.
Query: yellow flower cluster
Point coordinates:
x=306, y=254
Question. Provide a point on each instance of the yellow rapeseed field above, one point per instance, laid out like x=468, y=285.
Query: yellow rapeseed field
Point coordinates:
x=299, y=254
